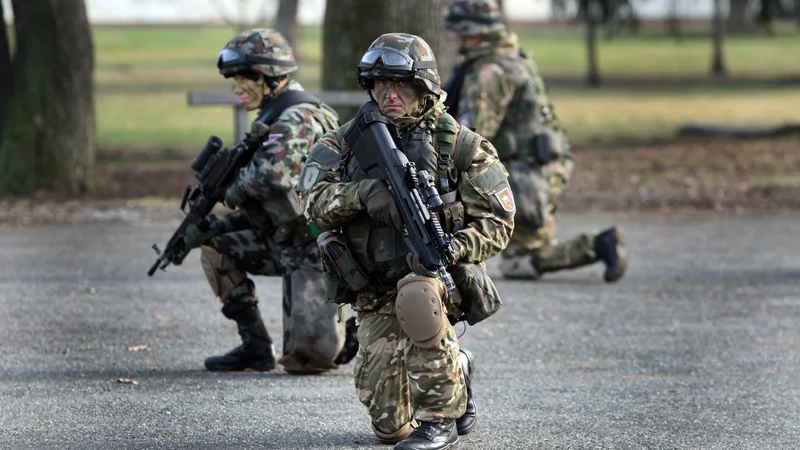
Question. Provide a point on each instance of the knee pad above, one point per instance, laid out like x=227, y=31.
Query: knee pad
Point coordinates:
x=221, y=273
x=397, y=436
x=420, y=310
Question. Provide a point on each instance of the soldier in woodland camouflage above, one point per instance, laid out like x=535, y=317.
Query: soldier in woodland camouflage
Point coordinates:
x=498, y=91
x=267, y=233
x=418, y=395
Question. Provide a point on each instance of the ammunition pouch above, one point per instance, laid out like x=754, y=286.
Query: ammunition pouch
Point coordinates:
x=452, y=214
x=479, y=296
x=531, y=189
x=343, y=275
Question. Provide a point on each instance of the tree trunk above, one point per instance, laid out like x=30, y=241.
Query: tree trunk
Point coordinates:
x=593, y=11
x=5, y=69
x=738, y=16
x=425, y=19
x=48, y=139
x=350, y=26
x=286, y=24
x=718, y=61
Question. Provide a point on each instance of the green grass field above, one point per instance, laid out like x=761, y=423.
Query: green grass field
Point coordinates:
x=143, y=73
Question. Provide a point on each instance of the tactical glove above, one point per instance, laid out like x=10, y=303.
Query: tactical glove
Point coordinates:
x=234, y=196
x=375, y=196
x=195, y=236
x=418, y=268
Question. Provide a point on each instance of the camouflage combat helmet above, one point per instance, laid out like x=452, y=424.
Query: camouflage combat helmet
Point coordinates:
x=260, y=49
x=474, y=17
x=400, y=56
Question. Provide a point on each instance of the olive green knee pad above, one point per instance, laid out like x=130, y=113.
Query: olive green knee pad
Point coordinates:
x=420, y=310
x=220, y=271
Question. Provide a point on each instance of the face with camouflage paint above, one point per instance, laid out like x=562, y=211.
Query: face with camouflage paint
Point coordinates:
x=251, y=93
x=397, y=98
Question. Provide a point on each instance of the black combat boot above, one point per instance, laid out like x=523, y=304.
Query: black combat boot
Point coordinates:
x=350, y=348
x=466, y=423
x=610, y=248
x=431, y=436
x=256, y=351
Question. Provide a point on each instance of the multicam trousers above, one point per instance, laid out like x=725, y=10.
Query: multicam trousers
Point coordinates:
x=399, y=382
x=536, y=190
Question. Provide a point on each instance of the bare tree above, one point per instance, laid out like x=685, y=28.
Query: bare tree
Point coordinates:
x=244, y=17
x=48, y=135
x=739, y=19
x=352, y=25
x=718, y=61
x=593, y=15
x=286, y=23
x=5, y=69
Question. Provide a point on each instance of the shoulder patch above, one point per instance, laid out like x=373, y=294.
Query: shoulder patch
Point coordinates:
x=506, y=199
x=320, y=161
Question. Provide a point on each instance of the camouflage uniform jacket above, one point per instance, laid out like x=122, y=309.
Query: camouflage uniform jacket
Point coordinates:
x=488, y=222
x=274, y=171
x=506, y=100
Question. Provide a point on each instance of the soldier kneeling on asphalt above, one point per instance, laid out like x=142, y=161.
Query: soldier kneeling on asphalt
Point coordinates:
x=267, y=233
x=410, y=373
x=497, y=89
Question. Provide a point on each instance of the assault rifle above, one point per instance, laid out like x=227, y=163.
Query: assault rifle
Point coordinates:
x=375, y=143
x=215, y=168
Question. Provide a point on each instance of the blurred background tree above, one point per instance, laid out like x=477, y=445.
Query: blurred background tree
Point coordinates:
x=47, y=139
x=350, y=26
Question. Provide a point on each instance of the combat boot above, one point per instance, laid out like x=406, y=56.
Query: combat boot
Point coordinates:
x=610, y=248
x=256, y=351
x=431, y=436
x=350, y=348
x=466, y=423
x=518, y=267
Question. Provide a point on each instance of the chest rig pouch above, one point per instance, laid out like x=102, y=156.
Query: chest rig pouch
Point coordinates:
x=477, y=297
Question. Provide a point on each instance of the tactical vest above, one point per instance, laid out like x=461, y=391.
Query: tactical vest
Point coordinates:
x=529, y=113
x=281, y=216
x=380, y=249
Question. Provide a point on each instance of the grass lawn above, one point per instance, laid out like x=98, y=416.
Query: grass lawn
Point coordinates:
x=143, y=73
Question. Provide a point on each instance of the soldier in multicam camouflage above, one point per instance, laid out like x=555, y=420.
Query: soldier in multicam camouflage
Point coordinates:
x=267, y=234
x=418, y=395
x=498, y=91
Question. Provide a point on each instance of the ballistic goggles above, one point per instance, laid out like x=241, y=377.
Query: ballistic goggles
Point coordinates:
x=233, y=58
x=392, y=60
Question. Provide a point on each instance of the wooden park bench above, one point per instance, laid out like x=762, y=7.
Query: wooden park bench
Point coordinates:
x=241, y=118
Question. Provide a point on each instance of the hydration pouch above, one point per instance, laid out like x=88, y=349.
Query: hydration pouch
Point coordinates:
x=343, y=275
x=479, y=296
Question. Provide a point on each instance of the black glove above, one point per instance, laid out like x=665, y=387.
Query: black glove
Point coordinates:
x=417, y=267
x=379, y=202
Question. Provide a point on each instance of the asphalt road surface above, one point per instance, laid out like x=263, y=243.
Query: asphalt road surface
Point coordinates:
x=696, y=348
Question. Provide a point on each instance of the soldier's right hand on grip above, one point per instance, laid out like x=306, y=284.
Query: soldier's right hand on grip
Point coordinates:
x=375, y=196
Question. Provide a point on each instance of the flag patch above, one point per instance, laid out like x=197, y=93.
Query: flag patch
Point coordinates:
x=506, y=199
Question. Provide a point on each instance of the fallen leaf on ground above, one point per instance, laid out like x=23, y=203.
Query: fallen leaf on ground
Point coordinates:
x=127, y=381
x=139, y=348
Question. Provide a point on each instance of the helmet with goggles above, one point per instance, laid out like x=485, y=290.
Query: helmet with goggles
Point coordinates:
x=261, y=50
x=400, y=57
x=474, y=17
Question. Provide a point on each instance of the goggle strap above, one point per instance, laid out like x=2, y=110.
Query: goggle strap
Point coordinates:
x=425, y=64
